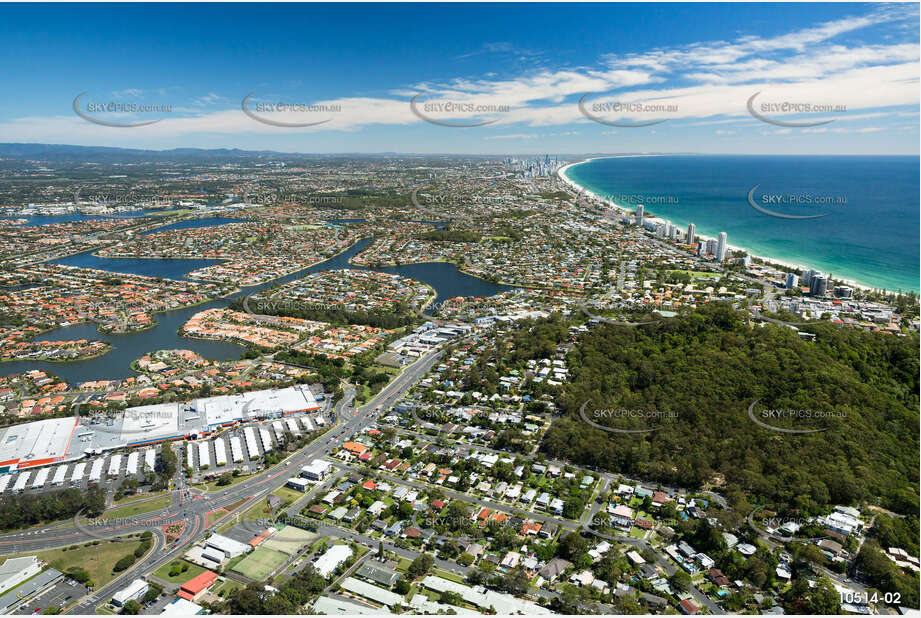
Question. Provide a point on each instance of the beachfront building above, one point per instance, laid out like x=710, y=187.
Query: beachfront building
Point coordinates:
x=818, y=286
x=721, y=247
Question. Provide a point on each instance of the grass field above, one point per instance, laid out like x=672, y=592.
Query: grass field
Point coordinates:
x=227, y=587
x=697, y=274
x=213, y=486
x=290, y=540
x=288, y=495
x=163, y=572
x=454, y=577
x=98, y=560
x=136, y=507
x=637, y=533
x=260, y=564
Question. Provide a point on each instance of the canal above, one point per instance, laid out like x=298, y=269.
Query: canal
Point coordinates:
x=446, y=280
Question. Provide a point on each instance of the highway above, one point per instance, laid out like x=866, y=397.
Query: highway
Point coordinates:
x=193, y=507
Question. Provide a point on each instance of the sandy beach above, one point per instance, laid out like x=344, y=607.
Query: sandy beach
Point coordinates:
x=612, y=204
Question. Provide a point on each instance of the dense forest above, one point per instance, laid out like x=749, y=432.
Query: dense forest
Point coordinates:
x=697, y=376
x=450, y=236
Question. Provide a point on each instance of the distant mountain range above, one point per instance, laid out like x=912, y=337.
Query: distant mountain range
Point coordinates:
x=108, y=154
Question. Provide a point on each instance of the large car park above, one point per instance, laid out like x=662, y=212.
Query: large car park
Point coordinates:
x=245, y=447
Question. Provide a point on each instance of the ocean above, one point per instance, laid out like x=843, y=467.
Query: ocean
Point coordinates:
x=868, y=231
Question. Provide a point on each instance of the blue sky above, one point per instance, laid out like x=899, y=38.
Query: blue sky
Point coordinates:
x=691, y=69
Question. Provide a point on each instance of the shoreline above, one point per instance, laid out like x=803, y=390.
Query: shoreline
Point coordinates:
x=766, y=259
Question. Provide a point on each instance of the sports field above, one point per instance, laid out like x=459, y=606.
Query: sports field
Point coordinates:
x=259, y=564
x=289, y=540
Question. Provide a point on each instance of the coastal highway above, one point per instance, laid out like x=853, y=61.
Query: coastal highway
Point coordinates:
x=193, y=507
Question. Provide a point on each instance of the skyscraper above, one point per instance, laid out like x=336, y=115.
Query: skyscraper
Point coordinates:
x=639, y=214
x=792, y=280
x=843, y=291
x=808, y=275
x=690, y=238
x=721, y=247
x=819, y=285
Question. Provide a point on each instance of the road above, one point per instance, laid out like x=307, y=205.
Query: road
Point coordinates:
x=194, y=508
x=606, y=476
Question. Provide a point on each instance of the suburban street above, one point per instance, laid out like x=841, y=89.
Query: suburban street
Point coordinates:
x=194, y=509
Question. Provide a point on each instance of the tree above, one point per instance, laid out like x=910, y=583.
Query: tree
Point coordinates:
x=401, y=587
x=680, y=581
x=132, y=608
x=124, y=563
x=420, y=566
x=78, y=574
x=572, y=546
x=153, y=592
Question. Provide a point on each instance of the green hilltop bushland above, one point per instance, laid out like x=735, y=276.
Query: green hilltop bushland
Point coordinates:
x=696, y=376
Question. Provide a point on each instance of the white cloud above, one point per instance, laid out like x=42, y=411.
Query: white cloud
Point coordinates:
x=810, y=65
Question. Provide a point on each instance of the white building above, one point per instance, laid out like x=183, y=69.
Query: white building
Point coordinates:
x=372, y=592
x=223, y=547
x=721, y=247
x=316, y=470
x=300, y=484
x=181, y=607
x=326, y=564
x=14, y=571
x=133, y=591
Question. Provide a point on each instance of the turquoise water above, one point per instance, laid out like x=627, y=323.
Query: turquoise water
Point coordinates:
x=869, y=233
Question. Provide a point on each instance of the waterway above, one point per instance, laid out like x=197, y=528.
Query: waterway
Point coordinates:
x=446, y=280
x=74, y=216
